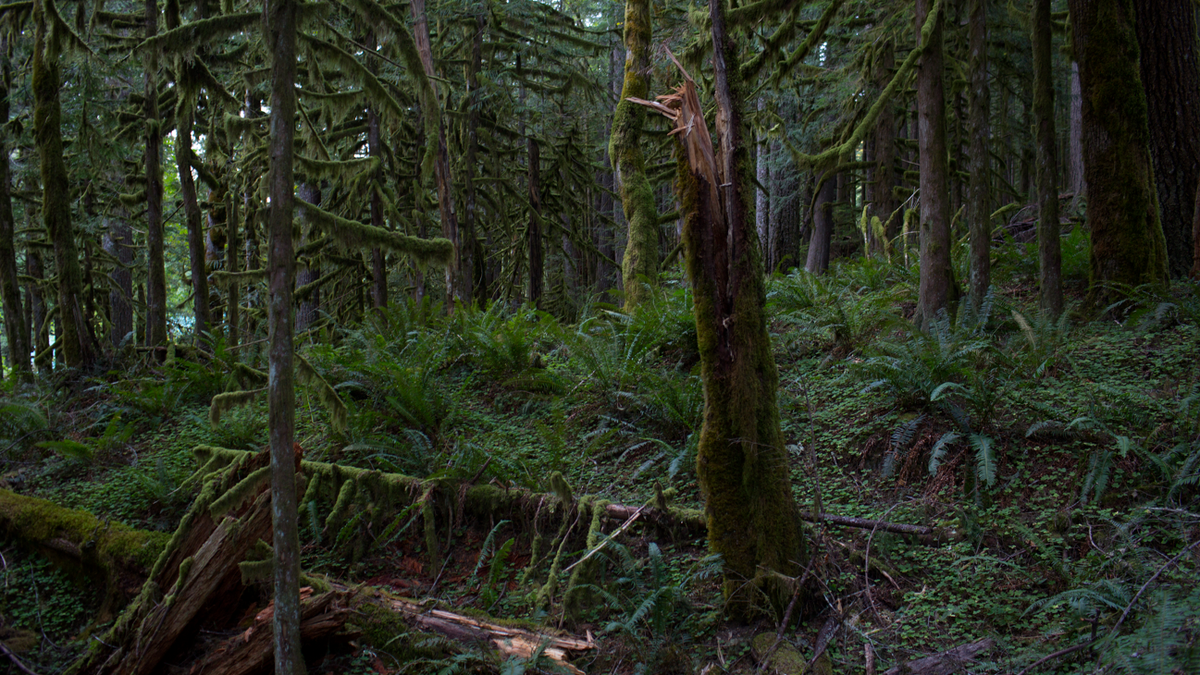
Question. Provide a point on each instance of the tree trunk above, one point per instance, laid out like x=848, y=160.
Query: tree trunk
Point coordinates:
x=785, y=213
x=762, y=200
x=458, y=280
x=38, y=311
x=1128, y=248
x=741, y=463
x=191, y=212
x=1078, y=184
x=1049, y=247
x=379, y=289
x=818, y=246
x=640, y=263
x=1166, y=32
x=156, y=275
x=77, y=349
x=935, y=291
x=281, y=16
x=118, y=243
x=233, y=254
x=533, y=233
x=10, y=289
x=306, y=313
x=979, y=191
x=472, y=257
x=885, y=150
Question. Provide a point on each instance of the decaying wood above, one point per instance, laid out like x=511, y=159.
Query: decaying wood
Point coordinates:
x=510, y=641
x=945, y=663
x=250, y=651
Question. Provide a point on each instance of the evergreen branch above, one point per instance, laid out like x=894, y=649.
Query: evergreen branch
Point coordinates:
x=196, y=33
x=352, y=234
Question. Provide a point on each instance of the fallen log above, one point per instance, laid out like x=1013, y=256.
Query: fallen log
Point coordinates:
x=111, y=555
x=508, y=640
x=946, y=663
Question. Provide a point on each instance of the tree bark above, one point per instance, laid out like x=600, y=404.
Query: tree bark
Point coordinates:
x=1078, y=184
x=885, y=150
x=533, y=233
x=1049, y=246
x=379, y=289
x=281, y=18
x=156, y=275
x=818, y=245
x=38, y=311
x=1128, y=247
x=458, y=280
x=741, y=463
x=934, y=294
x=233, y=253
x=118, y=243
x=640, y=263
x=10, y=289
x=979, y=189
x=77, y=348
x=306, y=313
x=191, y=212
x=784, y=214
x=1166, y=32
x=472, y=257
x=762, y=200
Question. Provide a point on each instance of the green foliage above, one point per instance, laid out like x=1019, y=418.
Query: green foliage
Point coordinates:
x=842, y=312
x=21, y=422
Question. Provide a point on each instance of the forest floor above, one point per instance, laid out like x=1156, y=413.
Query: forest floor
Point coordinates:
x=1058, y=460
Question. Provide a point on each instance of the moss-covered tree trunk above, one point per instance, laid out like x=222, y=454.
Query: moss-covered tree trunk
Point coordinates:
x=233, y=252
x=884, y=204
x=38, y=325
x=192, y=215
x=741, y=463
x=979, y=189
x=640, y=264
x=75, y=338
x=458, y=282
x=1128, y=248
x=118, y=243
x=156, y=275
x=822, y=235
x=533, y=232
x=936, y=284
x=1046, y=138
x=306, y=311
x=379, y=288
x=10, y=289
x=1166, y=31
x=1075, y=117
x=281, y=18
x=472, y=258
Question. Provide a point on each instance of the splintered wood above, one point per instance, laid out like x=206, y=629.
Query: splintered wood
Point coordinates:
x=510, y=641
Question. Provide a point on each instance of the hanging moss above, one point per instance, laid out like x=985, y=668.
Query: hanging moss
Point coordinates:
x=354, y=235
x=337, y=171
x=325, y=392
x=223, y=403
x=197, y=33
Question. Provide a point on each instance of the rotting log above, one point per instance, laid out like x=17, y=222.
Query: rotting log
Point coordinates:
x=945, y=663
x=86, y=547
x=510, y=641
x=249, y=652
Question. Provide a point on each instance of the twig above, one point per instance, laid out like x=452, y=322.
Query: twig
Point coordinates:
x=787, y=618
x=17, y=662
x=1057, y=654
x=619, y=530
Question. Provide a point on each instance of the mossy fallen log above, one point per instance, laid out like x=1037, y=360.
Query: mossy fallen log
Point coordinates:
x=91, y=550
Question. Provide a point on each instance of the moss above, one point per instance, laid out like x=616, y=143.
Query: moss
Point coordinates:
x=36, y=521
x=785, y=660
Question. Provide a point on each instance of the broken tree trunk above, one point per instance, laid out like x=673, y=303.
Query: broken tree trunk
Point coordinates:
x=198, y=571
x=250, y=651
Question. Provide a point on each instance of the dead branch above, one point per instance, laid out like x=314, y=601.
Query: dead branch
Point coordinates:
x=945, y=663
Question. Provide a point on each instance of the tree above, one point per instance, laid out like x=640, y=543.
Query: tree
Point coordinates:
x=979, y=190
x=156, y=277
x=640, y=264
x=10, y=291
x=51, y=34
x=936, y=285
x=1166, y=33
x=1049, y=247
x=281, y=19
x=1128, y=248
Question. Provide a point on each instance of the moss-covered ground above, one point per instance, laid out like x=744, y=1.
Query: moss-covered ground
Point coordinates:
x=1061, y=458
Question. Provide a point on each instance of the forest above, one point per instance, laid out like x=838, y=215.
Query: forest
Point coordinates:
x=585, y=336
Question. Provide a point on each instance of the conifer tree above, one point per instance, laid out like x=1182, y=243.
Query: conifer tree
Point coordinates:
x=937, y=285
x=1049, y=246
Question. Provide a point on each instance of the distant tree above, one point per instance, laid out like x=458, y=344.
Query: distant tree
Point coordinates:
x=1049, y=246
x=10, y=290
x=1166, y=32
x=979, y=189
x=1128, y=248
x=936, y=285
